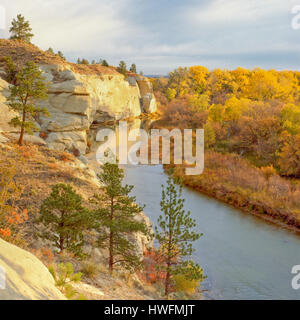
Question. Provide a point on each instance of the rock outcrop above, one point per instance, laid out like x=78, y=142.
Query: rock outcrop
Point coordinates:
x=24, y=277
x=76, y=100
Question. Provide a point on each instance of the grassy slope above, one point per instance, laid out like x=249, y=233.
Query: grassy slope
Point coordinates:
x=21, y=52
x=38, y=169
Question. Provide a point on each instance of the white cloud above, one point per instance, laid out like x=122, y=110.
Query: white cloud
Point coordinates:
x=236, y=11
x=159, y=37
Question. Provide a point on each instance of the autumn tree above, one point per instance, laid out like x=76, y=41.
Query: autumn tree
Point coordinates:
x=116, y=215
x=290, y=118
x=289, y=155
x=175, y=236
x=21, y=29
x=29, y=88
x=65, y=219
x=199, y=76
x=179, y=82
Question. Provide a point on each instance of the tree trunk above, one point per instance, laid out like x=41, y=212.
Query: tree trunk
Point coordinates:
x=111, y=240
x=61, y=238
x=167, y=283
x=111, y=256
x=22, y=129
x=61, y=244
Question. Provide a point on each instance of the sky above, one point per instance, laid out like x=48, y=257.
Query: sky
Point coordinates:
x=161, y=35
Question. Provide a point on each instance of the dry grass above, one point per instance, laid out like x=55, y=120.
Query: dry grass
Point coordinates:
x=234, y=180
x=22, y=52
x=38, y=169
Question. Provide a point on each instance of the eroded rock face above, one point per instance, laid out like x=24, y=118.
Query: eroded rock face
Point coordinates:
x=5, y=114
x=77, y=100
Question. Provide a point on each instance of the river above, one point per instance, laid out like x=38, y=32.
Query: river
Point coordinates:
x=243, y=257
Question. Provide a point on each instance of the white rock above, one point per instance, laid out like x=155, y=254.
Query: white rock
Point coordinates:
x=67, y=141
x=26, y=277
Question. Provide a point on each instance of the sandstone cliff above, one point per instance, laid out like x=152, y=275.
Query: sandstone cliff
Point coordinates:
x=78, y=96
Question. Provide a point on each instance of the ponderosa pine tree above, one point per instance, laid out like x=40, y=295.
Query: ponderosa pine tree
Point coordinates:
x=175, y=236
x=51, y=51
x=122, y=68
x=64, y=218
x=133, y=68
x=60, y=54
x=20, y=29
x=28, y=89
x=116, y=215
x=104, y=63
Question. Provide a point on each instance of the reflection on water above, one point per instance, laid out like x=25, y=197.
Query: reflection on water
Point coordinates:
x=243, y=256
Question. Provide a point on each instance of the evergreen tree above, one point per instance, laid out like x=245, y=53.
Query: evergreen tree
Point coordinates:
x=116, y=214
x=64, y=219
x=133, y=68
x=104, y=63
x=28, y=89
x=11, y=71
x=122, y=68
x=60, y=54
x=51, y=51
x=20, y=29
x=176, y=236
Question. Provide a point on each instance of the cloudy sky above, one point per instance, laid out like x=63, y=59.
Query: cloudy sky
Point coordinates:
x=160, y=35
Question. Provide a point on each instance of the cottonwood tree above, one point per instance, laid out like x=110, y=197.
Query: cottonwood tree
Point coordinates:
x=29, y=88
x=175, y=236
x=64, y=218
x=21, y=29
x=116, y=215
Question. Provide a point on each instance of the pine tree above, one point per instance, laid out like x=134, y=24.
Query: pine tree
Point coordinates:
x=11, y=71
x=28, y=89
x=64, y=218
x=51, y=51
x=122, y=68
x=60, y=54
x=104, y=63
x=175, y=236
x=133, y=68
x=20, y=29
x=116, y=212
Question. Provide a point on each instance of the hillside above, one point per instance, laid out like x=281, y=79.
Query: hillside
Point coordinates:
x=78, y=96
x=39, y=168
x=22, y=52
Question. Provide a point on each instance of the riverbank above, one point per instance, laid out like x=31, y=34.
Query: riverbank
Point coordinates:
x=235, y=181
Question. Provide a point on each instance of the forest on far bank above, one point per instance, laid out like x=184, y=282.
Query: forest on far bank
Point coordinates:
x=251, y=120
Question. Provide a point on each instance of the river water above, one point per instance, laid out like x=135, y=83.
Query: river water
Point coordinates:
x=243, y=257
